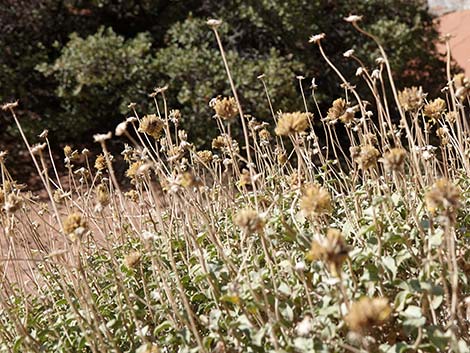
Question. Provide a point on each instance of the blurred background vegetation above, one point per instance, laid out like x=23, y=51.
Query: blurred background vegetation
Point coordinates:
x=76, y=65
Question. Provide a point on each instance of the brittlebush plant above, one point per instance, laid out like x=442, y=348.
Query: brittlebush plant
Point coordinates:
x=283, y=241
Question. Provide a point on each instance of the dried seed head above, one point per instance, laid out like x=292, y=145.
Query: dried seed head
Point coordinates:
x=291, y=123
x=295, y=180
x=367, y=156
x=100, y=162
x=264, y=135
x=340, y=110
x=121, y=129
x=132, y=195
x=10, y=106
x=214, y=23
x=205, y=156
x=43, y=134
x=434, y=109
x=332, y=250
x=175, y=116
x=36, y=149
x=411, y=99
x=315, y=201
x=100, y=138
x=12, y=203
x=132, y=171
x=443, y=196
x=67, y=151
x=353, y=18
x=102, y=194
x=367, y=313
x=443, y=134
x=451, y=117
x=245, y=178
x=249, y=220
x=225, y=108
x=316, y=38
x=132, y=259
x=75, y=226
x=152, y=126
x=394, y=159
x=462, y=86
x=281, y=157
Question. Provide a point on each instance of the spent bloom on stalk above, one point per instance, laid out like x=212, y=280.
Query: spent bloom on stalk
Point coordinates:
x=249, y=220
x=100, y=162
x=132, y=259
x=316, y=38
x=315, y=201
x=443, y=196
x=205, y=156
x=434, y=109
x=152, y=125
x=340, y=110
x=411, y=99
x=353, y=18
x=366, y=313
x=394, y=159
x=75, y=226
x=291, y=123
x=365, y=156
x=225, y=108
x=332, y=250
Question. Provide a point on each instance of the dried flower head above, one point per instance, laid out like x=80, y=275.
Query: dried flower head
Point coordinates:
x=38, y=148
x=462, y=86
x=75, y=226
x=132, y=195
x=443, y=196
x=132, y=259
x=411, y=99
x=281, y=156
x=353, y=18
x=367, y=313
x=264, y=135
x=44, y=134
x=443, y=134
x=295, y=180
x=12, y=203
x=394, y=159
x=102, y=195
x=100, y=162
x=67, y=151
x=100, y=138
x=249, y=220
x=434, y=109
x=214, y=23
x=332, y=250
x=175, y=116
x=121, y=129
x=225, y=108
x=152, y=126
x=340, y=110
x=245, y=178
x=205, y=156
x=132, y=171
x=316, y=38
x=9, y=106
x=315, y=201
x=291, y=123
x=367, y=157
x=451, y=117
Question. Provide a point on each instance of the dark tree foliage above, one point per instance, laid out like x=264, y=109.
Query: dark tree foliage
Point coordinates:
x=75, y=65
